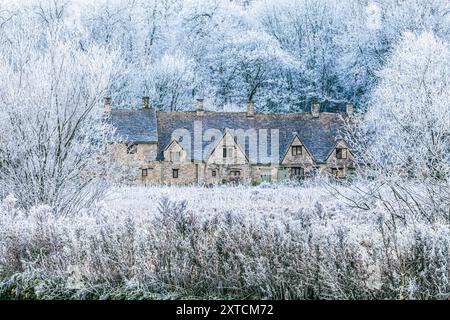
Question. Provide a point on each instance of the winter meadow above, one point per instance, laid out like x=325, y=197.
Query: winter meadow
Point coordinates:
x=73, y=226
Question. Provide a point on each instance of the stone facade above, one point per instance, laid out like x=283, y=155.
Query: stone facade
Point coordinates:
x=340, y=162
x=157, y=162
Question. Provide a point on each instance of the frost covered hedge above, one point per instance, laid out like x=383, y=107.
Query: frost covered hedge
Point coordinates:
x=235, y=242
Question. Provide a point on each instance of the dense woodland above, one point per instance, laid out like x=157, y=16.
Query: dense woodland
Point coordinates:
x=281, y=54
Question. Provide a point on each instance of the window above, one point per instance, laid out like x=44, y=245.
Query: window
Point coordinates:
x=297, y=173
x=297, y=150
x=338, y=172
x=341, y=153
x=214, y=173
x=131, y=148
x=175, y=173
x=235, y=174
x=266, y=175
x=175, y=156
x=144, y=172
x=227, y=152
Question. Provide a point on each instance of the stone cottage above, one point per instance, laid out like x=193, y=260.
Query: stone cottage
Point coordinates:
x=209, y=147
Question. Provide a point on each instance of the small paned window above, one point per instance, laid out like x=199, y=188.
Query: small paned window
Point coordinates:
x=297, y=150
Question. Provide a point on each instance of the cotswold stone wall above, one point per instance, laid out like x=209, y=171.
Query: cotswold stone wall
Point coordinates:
x=342, y=164
x=258, y=172
x=224, y=173
x=143, y=158
x=303, y=160
x=153, y=173
x=217, y=170
x=145, y=153
x=186, y=173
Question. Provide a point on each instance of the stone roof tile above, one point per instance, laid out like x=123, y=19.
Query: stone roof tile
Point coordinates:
x=318, y=134
x=135, y=125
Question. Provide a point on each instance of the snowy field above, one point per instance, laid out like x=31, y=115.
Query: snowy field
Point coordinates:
x=276, y=242
x=263, y=199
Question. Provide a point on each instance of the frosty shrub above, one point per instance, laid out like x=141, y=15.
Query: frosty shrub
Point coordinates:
x=223, y=242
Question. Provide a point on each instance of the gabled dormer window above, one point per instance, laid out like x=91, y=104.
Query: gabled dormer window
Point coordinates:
x=297, y=150
x=341, y=153
x=175, y=156
x=227, y=152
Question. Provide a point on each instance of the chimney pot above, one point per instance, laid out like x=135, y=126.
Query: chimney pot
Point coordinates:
x=315, y=109
x=200, y=106
x=350, y=109
x=146, y=103
x=250, y=109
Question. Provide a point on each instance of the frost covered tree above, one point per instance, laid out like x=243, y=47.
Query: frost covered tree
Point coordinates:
x=371, y=29
x=170, y=82
x=279, y=53
x=52, y=145
x=403, y=140
x=310, y=32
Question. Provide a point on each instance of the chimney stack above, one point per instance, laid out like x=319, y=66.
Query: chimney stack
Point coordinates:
x=315, y=108
x=107, y=105
x=146, y=103
x=250, y=109
x=200, y=107
x=349, y=109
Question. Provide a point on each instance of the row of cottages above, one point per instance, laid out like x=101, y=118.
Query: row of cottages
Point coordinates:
x=165, y=148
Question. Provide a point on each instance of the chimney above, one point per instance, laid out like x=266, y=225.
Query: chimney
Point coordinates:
x=107, y=105
x=145, y=103
x=349, y=109
x=200, y=107
x=250, y=109
x=315, y=108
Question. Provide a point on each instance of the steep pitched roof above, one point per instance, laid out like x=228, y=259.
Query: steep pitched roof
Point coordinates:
x=339, y=141
x=318, y=134
x=296, y=137
x=137, y=126
x=236, y=144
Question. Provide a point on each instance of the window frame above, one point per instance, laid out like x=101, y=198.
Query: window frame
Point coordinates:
x=227, y=152
x=144, y=172
x=340, y=152
x=296, y=152
x=266, y=175
x=338, y=173
x=234, y=175
x=175, y=173
x=213, y=173
x=297, y=176
x=172, y=157
x=132, y=148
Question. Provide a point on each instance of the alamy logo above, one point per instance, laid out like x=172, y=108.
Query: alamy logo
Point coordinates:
x=259, y=145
